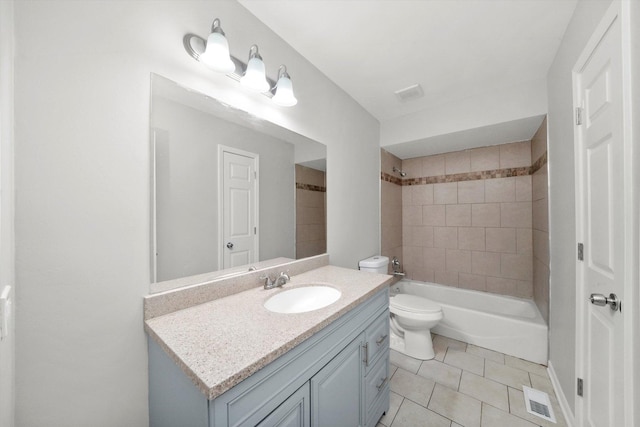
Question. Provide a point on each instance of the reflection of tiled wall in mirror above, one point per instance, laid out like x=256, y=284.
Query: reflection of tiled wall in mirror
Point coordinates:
x=311, y=212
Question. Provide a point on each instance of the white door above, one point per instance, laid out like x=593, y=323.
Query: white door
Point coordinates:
x=601, y=143
x=239, y=207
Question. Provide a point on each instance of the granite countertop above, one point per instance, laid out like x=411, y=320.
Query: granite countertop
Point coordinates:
x=220, y=343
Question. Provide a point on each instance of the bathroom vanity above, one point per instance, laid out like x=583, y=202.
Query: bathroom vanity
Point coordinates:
x=232, y=362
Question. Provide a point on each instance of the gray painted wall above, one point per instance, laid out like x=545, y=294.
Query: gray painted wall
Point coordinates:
x=82, y=186
x=562, y=225
x=7, y=270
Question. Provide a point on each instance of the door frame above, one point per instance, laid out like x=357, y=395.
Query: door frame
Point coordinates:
x=256, y=204
x=619, y=10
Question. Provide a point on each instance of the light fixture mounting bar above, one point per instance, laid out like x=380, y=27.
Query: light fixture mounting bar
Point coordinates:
x=195, y=46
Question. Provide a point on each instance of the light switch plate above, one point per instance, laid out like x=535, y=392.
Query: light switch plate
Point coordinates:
x=5, y=311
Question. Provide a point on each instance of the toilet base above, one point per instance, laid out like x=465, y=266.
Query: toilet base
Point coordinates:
x=420, y=344
x=396, y=343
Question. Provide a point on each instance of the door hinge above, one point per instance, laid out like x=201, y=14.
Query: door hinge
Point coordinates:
x=580, y=387
x=255, y=230
x=580, y=252
x=578, y=116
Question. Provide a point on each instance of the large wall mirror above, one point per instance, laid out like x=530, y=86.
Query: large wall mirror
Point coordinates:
x=230, y=192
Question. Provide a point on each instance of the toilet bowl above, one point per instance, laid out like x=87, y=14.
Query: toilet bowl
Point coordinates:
x=412, y=318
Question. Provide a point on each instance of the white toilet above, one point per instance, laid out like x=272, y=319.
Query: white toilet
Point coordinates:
x=412, y=317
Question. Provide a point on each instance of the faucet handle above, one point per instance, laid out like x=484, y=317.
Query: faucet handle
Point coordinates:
x=285, y=274
x=268, y=281
x=283, y=278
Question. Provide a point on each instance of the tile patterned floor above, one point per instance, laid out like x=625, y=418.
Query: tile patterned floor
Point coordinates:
x=465, y=386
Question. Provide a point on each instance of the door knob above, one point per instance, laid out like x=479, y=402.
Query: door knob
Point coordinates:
x=230, y=245
x=612, y=300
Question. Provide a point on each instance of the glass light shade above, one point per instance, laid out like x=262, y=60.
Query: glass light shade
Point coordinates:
x=216, y=54
x=255, y=77
x=284, y=93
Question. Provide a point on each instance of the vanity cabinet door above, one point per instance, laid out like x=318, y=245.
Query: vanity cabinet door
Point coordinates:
x=293, y=412
x=336, y=390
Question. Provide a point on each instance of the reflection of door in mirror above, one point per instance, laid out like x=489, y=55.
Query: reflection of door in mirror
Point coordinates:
x=187, y=130
x=238, y=206
x=311, y=211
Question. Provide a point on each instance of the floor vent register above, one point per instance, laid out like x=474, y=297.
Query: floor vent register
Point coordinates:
x=538, y=403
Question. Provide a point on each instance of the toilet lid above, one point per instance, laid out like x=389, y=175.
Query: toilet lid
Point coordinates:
x=414, y=304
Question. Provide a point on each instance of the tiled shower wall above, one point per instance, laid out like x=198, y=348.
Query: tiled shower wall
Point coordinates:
x=540, y=179
x=311, y=228
x=391, y=206
x=467, y=219
x=475, y=219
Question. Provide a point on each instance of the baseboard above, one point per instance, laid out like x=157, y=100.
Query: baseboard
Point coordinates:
x=562, y=399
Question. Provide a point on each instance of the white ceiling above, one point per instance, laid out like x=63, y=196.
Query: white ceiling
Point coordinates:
x=454, y=49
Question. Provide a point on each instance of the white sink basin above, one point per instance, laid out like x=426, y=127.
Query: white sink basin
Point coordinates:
x=301, y=300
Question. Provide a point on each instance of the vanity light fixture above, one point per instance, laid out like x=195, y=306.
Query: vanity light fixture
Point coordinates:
x=284, y=89
x=255, y=77
x=214, y=52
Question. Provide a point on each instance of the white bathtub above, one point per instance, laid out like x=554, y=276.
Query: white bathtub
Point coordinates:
x=506, y=324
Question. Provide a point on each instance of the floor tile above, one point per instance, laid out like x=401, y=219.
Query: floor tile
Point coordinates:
x=412, y=386
x=413, y=415
x=441, y=373
x=465, y=361
x=486, y=353
x=493, y=393
x=494, y=417
x=525, y=365
x=392, y=369
x=405, y=362
x=394, y=404
x=506, y=375
x=542, y=384
x=518, y=408
x=456, y=406
x=441, y=344
x=451, y=387
x=443, y=341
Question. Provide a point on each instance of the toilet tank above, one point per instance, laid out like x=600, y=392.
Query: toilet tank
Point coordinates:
x=375, y=264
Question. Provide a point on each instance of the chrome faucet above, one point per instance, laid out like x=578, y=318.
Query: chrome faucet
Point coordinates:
x=280, y=280
x=395, y=263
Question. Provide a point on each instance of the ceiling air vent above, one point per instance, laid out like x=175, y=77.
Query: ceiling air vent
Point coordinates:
x=409, y=93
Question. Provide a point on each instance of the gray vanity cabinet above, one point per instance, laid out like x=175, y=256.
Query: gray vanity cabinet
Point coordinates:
x=337, y=389
x=293, y=412
x=337, y=377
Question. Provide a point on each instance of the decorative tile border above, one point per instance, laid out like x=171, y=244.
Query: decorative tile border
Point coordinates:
x=538, y=164
x=390, y=178
x=310, y=187
x=469, y=176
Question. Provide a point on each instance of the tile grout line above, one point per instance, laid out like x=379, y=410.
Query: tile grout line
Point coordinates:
x=397, y=412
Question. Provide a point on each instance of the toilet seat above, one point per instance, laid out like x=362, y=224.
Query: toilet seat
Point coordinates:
x=414, y=304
